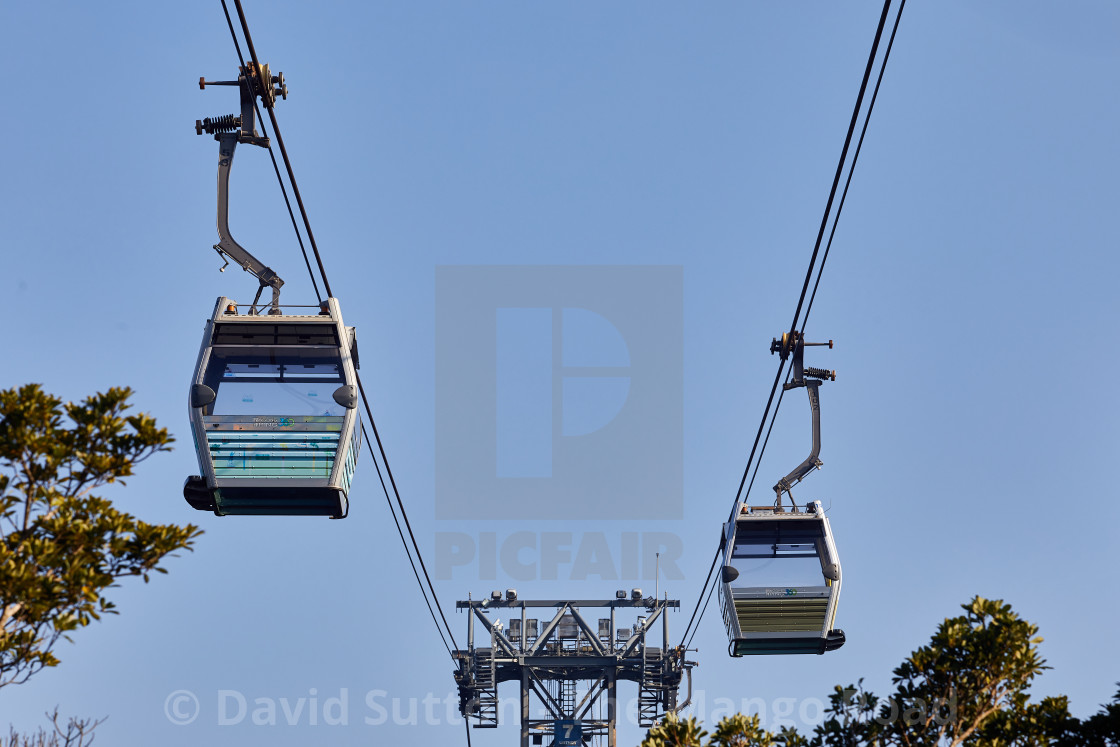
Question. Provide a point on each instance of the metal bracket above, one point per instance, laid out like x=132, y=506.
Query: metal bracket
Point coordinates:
x=229, y=130
x=252, y=83
x=811, y=379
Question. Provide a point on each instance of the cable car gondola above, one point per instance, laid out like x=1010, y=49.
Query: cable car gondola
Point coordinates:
x=780, y=583
x=273, y=402
x=274, y=413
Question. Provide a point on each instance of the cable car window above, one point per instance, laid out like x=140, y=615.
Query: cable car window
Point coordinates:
x=230, y=333
x=772, y=558
x=274, y=385
x=777, y=571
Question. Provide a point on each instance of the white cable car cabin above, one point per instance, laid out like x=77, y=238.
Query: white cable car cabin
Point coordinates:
x=273, y=410
x=780, y=583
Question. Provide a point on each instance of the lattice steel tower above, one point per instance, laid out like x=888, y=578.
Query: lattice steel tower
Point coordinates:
x=568, y=666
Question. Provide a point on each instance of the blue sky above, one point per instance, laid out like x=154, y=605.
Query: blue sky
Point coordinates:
x=967, y=441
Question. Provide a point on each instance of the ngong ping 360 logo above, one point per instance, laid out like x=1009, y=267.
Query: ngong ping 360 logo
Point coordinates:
x=781, y=592
x=558, y=392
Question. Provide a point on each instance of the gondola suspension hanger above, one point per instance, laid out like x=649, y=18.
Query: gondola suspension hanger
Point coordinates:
x=229, y=130
x=810, y=378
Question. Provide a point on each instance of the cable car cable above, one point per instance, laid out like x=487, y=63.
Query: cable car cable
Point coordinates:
x=396, y=521
x=843, y=156
x=816, y=284
x=812, y=298
x=836, y=220
x=855, y=158
x=326, y=284
x=824, y=224
x=697, y=628
x=715, y=560
x=283, y=150
x=275, y=166
x=704, y=588
x=812, y=261
x=400, y=504
x=719, y=549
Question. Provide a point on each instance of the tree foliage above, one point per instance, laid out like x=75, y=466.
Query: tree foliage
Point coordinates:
x=675, y=732
x=62, y=547
x=734, y=731
x=1099, y=730
x=741, y=731
x=975, y=671
x=968, y=687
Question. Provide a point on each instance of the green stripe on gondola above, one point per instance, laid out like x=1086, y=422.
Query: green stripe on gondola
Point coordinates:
x=775, y=615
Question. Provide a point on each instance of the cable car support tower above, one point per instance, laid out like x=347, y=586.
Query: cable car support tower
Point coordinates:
x=550, y=661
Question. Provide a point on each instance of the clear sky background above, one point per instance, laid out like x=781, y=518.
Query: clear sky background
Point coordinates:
x=969, y=440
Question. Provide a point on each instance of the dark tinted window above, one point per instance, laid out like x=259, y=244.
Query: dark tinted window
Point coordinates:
x=233, y=333
x=274, y=384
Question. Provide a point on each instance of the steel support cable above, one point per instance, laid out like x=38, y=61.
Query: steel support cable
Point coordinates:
x=704, y=588
x=824, y=225
x=275, y=166
x=843, y=157
x=758, y=435
x=326, y=285
x=416, y=573
x=719, y=550
x=824, y=259
x=855, y=158
x=283, y=151
x=750, y=460
x=840, y=205
x=813, y=258
x=400, y=504
x=697, y=628
x=750, y=485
